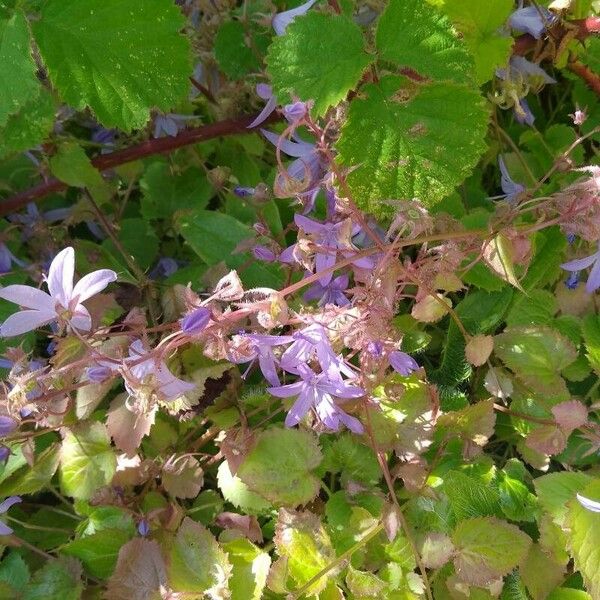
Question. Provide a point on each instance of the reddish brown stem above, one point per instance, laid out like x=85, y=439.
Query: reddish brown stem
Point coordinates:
x=591, y=79
x=148, y=148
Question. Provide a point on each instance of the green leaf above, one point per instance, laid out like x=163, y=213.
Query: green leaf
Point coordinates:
x=355, y=461
x=301, y=539
x=234, y=490
x=420, y=148
x=540, y=572
x=98, y=552
x=17, y=69
x=321, y=58
x=59, y=578
x=591, y=338
x=470, y=498
x=517, y=502
x=584, y=539
x=279, y=466
x=411, y=33
x=568, y=594
x=120, y=63
x=165, y=192
x=535, y=308
x=28, y=480
x=536, y=355
x=196, y=562
x=138, y=239
x=29, y=127
x=545, y=265
x=214, y=236
x=556, y=489
x=481, y=25
x=487, y=549
x=87, y=461
x=250, y=569
x=14, y=571
x=235, y=57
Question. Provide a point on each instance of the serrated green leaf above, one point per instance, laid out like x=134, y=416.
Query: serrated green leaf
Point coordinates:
x=196, y=562
x=355, y=461
x=28, y=480
x=535, y=308
x=487, y=548
x=591, y=338
x=280, y=464
x=250, y=568
x=321, y=58
x=138, y=238
x=87, y=461
x=536, y=355
x=540, y=573
x=59, y=578
x=583, y=537
x=470, y=498
x=234, y=490
x=214, y=236
x=120, y=63
x=556, y=489
x=17, y=69
x=234, y=56
x=29, y=127
x=481, y=25
x=98, y=552
x=14, y=571
x=301, y=539
x=413, y=34
x=549, y=254
x=421, y=148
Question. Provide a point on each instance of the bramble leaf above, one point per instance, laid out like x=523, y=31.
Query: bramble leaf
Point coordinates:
x=120, y=63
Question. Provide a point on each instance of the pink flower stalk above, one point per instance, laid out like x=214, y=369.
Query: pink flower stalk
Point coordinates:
x=62, y=303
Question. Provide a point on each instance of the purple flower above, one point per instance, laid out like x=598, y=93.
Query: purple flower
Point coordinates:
x=332, y=293
x=7, y=425
x=263, y=253
x=593, y=281
x=7, y=258
x=592, y=505
x=4, y=454
x=532, y=20
x=262, y=349
x=402, y=363
x=196, y=321
x=62, y=303
x=98, y=374
x=165, y=267
x=305, y=173
x=295, y=112
x=520, y=67
x=244, y=192
x=32, y=217
x=510, y=188
x=318, y=392
x=4, y=506
x=572, y=280
x=265, y=92
x=143, y=528
x=283, y=19
x=170, y=124
x=523, y=113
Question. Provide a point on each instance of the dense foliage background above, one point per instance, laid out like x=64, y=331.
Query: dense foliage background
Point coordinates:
x=337, y=331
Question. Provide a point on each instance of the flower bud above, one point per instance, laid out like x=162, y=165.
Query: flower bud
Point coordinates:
x=196, y=321
x=402, y=363
x=264, y=253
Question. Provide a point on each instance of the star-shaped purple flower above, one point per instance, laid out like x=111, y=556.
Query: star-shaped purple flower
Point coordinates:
x=593, y=281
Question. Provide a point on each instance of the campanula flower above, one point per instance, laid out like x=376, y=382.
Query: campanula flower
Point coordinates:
x=572, y=280
x=520, y=67
x=7, y=425
x=402, y=363
x=265, y=92
x=143, y=527
x=196, y=321
x=523, y=113
x=170, y=124
x=592, y=505
x=511, y=188
x=32, y=218
x=7, y=258
x=62, y=303
x=4, y=506
x=263, y=253
x=593, y=281
x=532, y=20
x=318, y=392
x=283, y=19
x=332, y=293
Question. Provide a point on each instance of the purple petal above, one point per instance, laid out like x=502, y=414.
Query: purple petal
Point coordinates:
x=526, y=67
x=531, y=20
x=402, y=363
x=170, y=386
x=93, y=283
x=264, y=91
x=264, y=114
x=24, y=321
x=10, y=501
x=28, y=297
x=309, y=225
x=7, y=425
x=295, y=149
x=99, y=374
x=299, y=409
x=593, y=281
x=286, y=391
x=282, y=20
x=592, y=505
x=523, y=113
x=5, y=529
x=580, y=263
x=267, y=366
x=196, y=321
x=60, y=276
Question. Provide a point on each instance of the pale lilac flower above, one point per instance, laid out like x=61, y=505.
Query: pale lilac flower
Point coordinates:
x=7, y=425
x=261, y=347
x=7, y=258
x=244, y=192
x=170, y=124
x=402, y=363
x=265, y=92
x=63, y=303
x=572, y=280
x=593, y=281
x=98, y=374
x=32, y=217
x=307, y=170
x=318, y=392
x=332, y=293
x=283, y=19
x=511, y=188
x=520, y=67
x=532, y=20
x=143, y=527
x=579, y=116
x=295, y=112
x=523, y=113
x=4, y=506
x=592, y=505
x=263, y=253
x=196, y=321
